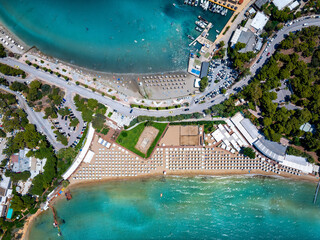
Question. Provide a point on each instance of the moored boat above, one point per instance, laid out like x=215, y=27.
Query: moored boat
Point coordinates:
x=190, y=37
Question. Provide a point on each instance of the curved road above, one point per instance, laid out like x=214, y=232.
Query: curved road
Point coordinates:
x=36, y=119
x=125, y=109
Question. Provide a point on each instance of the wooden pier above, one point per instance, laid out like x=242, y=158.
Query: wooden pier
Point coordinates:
x=316, y=193
x=225, y=4
x=56, y=223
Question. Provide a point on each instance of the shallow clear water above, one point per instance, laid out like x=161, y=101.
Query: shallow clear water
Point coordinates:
x=237, y=207
x=108, y=35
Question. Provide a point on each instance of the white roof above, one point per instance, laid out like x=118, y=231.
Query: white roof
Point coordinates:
x=82, y=154
x=281, y=4
x=5, y=183
x=3, y=210
x=252, y=11
x=197, y=83
x=236, y=119
x=259, y=144
x=88, y=157
x=235, y=36
x=259, y=21
x=250, y=128
x=236, y=135
x=293, y=5
x=299, y=163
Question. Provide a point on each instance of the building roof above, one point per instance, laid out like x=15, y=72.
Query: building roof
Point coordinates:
x=298, y=160
x=252, y=11
x=235, y=36
x=204, y=69
x=236, y=120
x=15, y=158
x=260, y=3
x=259, y=21
x=271, y=149
x=281, y=4
x=249, y=39
x=2, y=191
x=5, y=182
x=293, y=5
x=258, y=45
x=197, y=82
x=88, y=157
x=307, y=127
x=299, y=163
x=250, y=128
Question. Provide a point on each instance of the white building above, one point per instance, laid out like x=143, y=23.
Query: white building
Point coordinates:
x=246, y=128
x=272, y=150
x=235, y=37
x=20, y=163
x=5, y=193
x=281, y=4
x=258, y=22
x=299, y=163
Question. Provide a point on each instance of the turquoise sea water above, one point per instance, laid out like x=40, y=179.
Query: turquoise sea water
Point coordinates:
x=237, y=207
x=109, y=35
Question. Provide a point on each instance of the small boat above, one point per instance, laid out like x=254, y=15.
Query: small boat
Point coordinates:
x=196, y=3
x=185, y=1
x=174, y=4
x=190, y=37
x=217, y=31
x=200, y=24
x=202, y=19
x=199, y=29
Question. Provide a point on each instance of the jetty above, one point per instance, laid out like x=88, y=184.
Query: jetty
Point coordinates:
x=202, y=38
x=316, y=193
x=204, y=55
x=56, y=223
x=231, y=6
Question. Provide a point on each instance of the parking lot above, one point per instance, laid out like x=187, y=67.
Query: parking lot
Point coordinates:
x=62, y=124
x=220, y=76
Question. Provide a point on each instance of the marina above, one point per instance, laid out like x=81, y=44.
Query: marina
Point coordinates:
x=143, y=41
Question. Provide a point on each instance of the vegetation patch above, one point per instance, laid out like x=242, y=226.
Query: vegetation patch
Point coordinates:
x=129, y=138
x=154, y=108
x=297, y=152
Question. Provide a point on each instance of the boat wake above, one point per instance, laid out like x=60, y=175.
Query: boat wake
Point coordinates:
x=181, y=7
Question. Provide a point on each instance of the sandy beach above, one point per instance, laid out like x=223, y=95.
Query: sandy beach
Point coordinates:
x=28, y=224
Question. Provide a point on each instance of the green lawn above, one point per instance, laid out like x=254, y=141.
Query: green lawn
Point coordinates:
x=129, y=139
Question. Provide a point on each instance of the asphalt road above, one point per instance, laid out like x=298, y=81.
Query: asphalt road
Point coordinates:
x=125, y=109
x=42, y=124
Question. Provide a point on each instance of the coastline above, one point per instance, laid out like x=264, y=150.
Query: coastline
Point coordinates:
x=87, y=183
x=27, y=226
x=188, y=174
x=15, y=37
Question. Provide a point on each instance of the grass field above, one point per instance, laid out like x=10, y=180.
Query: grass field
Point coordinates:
x=129, y=139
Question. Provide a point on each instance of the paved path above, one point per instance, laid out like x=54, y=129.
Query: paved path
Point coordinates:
x=125, y=109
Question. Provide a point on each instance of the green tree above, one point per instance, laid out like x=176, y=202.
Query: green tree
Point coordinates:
x=249, y=152
x=2, y=134
x=203, y=84
x=74, y=122
x=98, y=121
